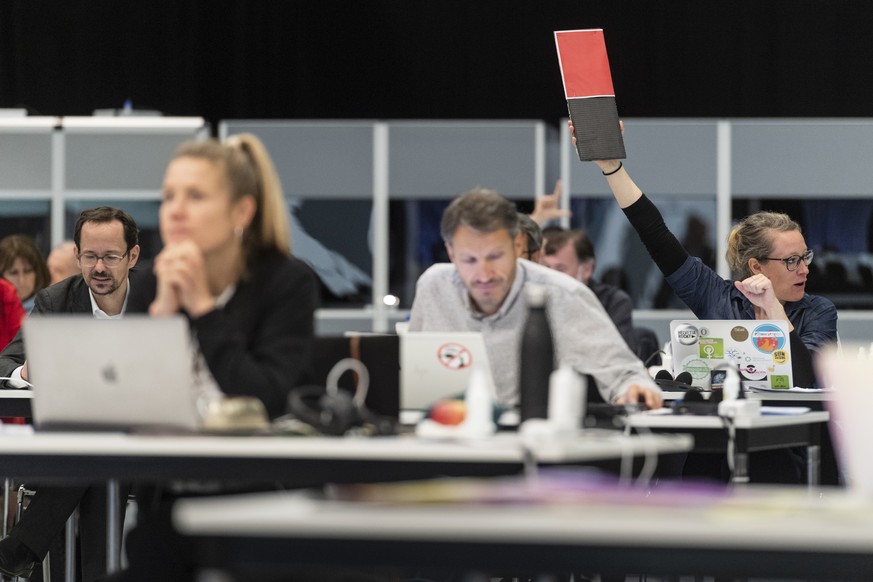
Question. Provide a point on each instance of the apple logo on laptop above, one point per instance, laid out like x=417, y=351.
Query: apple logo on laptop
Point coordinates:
x=109, y=374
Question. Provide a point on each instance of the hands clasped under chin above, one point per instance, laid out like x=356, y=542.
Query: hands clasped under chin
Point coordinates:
x=182, y=282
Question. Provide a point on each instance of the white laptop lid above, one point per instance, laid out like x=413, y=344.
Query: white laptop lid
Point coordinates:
x=760, y=348
x=123, y=374
x=437, y=365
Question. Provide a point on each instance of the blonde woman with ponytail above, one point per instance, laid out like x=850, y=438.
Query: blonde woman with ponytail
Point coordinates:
x=770, y=261
x=768, y=256
x=227, y=265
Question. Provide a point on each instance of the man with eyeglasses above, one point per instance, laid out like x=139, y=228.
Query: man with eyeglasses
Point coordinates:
x=107, y=248
x=484, y=289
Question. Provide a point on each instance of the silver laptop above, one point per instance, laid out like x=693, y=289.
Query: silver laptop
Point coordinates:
x=437, y=365
x=760, y=349
x=126, y=374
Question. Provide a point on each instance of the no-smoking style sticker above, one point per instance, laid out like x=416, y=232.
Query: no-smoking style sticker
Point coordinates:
x=455, y=356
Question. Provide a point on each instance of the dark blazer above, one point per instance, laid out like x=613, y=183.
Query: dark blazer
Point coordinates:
x=260, y=343
x=71, y=296
x=50, y=507
x=619, y=307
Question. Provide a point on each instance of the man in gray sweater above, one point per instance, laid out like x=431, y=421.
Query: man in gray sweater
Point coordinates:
x=483, y=290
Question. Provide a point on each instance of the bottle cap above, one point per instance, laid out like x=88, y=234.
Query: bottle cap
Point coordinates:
x=536, y=295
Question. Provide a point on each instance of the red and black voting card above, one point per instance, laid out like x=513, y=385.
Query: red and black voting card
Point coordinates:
x=590, y=95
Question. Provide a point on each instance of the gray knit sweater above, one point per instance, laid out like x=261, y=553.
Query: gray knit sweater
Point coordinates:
x=583, y=334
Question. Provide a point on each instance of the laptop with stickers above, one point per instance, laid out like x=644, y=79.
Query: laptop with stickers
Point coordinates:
x=437, y=365
x=759, y=349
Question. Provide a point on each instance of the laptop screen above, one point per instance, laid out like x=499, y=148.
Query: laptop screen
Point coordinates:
x=124, y=374
x=759, y=349
x=437, y=365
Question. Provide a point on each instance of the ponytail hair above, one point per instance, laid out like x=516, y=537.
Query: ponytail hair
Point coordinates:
x=249, y=170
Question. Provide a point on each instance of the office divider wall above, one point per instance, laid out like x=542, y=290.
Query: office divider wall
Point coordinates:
x=366, y=195
x=715, y=172
x=53, y=168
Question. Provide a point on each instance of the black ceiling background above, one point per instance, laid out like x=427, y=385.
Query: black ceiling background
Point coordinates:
x=432, y=59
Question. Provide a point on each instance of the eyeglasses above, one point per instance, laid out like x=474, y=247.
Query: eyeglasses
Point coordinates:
x=90, y=259
x=793, y=261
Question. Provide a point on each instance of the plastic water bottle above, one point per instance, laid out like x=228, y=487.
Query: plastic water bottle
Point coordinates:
x=667, y=358
x=567, y=392
x=537, y=357
x=479, y=420
x=731, y=389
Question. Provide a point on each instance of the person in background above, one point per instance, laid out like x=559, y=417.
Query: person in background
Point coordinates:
x=770, y=259
x=11, y=312
x=11, y=315
x=546, y=210
x=483, y=290
x=547, y=207
x=62, y=262
x=107, y=245
x=23, y=265
x=766, y=252
x=531, y=238
x=226, y=265
x=572, y=252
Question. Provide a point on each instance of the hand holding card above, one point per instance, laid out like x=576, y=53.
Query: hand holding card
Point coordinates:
x=590, y=95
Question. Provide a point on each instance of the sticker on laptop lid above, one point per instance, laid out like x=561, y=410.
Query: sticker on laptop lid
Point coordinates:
x=768, y=338
x=455, y=356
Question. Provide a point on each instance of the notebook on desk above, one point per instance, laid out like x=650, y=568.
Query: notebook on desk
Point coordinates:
x=127, y=374
x=760, y=349
x=437, y=365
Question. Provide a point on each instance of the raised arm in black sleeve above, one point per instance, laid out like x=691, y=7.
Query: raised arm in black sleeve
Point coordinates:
x=664, y=248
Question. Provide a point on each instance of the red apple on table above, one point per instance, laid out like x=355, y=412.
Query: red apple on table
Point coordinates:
x=451, y=412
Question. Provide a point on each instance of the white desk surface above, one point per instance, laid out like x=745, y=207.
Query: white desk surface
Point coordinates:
x=502, y=448
x=793, y=396
x=775, y=519
x=691, y=421
x=16, y=394
x=750, y=533
x=790, y=396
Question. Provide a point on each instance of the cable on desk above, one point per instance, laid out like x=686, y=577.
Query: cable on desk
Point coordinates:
x=732, y=434
x=650, y=459
x=17, y=383
x=650, y=454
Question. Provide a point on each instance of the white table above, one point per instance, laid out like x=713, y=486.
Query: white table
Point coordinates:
x=95, y=457
x=715, y=434
x=815, y=400
x=295, y=461
x=15, y=402
x=796, y=397
x=771, y=533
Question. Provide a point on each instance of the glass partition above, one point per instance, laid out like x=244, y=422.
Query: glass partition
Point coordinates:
x=30, y=217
